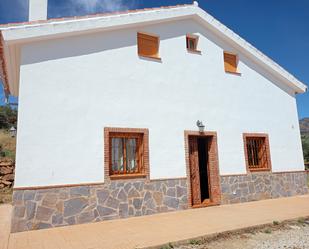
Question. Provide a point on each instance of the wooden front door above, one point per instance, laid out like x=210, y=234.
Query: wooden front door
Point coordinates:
x=203, y=168
x=194, y=171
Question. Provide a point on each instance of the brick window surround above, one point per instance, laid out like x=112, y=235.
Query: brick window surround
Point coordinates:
x=264, y=154
x=214, y=174
x=108, y=133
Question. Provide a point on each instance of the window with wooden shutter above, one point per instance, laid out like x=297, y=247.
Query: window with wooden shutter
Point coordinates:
x=257, y=152
x=192, y=42
x=148, y=45
x=230, y=62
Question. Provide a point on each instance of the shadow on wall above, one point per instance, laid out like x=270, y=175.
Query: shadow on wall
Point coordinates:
x=209, y=34
x=96, y=42
x=90, y=43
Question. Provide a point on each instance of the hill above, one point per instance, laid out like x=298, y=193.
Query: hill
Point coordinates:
x=304, y=126
x=304, y=130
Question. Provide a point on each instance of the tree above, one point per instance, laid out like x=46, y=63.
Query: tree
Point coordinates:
x=8, y=117
x=305, y=142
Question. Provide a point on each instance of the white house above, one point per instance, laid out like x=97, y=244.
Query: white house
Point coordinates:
x=108, y=111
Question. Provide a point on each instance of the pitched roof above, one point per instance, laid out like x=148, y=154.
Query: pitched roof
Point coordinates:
x=3, y=68
x=45, y=29
x=105, y=14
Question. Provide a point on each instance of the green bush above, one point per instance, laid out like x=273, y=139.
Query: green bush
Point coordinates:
x=8, y=154
x=194, y=242
x=305, y=143
x=8, y=117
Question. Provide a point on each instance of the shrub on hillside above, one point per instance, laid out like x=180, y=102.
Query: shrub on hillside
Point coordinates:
x=8, y=117
x=305, y=142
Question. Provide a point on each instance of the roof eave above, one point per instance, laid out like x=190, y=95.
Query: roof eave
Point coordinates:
x=300, y=88
x=28, y=32
x=3, y=67
x=288, y=79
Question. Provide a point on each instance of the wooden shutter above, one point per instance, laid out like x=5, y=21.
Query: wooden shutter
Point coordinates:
x=148, y=45
x=230, y=62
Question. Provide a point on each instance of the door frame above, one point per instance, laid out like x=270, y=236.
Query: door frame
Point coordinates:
x=213, y=169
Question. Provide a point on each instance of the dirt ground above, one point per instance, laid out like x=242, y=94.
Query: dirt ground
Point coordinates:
x=6, y=195
x=7, y=144
x=287, y=235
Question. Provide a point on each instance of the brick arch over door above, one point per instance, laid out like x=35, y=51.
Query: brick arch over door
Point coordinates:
x=214, y=175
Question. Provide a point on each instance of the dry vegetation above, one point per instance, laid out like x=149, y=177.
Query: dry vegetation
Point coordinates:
x=7, y=153
x=6, y=195
x=7, y=145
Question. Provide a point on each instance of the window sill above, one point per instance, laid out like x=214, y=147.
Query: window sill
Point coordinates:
x=259, y=170
x=150, y=57
x=128, y=176
x=235, y=73
x=194, y=51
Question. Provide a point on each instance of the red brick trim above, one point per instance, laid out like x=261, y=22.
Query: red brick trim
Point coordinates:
x=144, y=132
x=292, y=171
x=277, y=172
x=86, y=184
x=123, y=177
x=264, y=135
x=240, y=174
x=214, y=172
x=151, y=180
x=58, y=186
x=166, y=179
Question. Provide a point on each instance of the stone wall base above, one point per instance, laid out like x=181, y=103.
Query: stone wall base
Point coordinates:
x=260, y=186
x=53, y=207
x=61, y=206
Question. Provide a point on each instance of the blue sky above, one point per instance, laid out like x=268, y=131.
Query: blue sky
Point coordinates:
x=280, y=29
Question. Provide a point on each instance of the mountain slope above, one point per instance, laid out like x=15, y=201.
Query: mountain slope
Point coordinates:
x=304, y=125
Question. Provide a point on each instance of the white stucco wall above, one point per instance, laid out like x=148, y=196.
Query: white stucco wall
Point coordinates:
x=70, y=89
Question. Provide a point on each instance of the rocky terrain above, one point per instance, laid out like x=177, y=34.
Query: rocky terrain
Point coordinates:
x=6, y=173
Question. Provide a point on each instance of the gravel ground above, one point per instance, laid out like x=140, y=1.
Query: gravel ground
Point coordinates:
x=293, y=235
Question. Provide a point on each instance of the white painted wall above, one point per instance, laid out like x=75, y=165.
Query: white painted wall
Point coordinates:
x=70, y=89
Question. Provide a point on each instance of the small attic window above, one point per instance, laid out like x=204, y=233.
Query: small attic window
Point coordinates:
x=148, y=45
x=230, y=63
x=192, y=42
